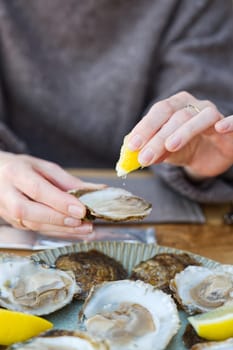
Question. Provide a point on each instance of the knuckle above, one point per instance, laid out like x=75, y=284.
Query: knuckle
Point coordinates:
x=54, y=219
x=166, y=106
x=8, y=170
x=17, y=209
x=34, y=226
x=35, y=190
x=207, y=103
x=212, y=110
x=53, y=166
x=183, y=95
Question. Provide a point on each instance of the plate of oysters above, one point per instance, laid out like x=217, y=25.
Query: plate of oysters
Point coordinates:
x=115, y=295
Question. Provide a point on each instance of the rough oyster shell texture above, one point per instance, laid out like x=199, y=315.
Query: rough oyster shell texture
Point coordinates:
x=91, y=268
x=113, y=204
x=129, y=255
x=219, y=345
x=33, y=288
x=161, y=268
x=61, y=340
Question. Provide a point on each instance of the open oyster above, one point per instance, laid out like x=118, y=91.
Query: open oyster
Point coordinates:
x=216, y=345
x=113, y=204
x=61, y=340
x=200, y=289
x=91, y=268
x=33, y=288
x=161, y=268
x=131, y=315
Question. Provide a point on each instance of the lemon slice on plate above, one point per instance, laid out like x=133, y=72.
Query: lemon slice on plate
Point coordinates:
x=214, y=325
x=17, y=326
x=128, y=160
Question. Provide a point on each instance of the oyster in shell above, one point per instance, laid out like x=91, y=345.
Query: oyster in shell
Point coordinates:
x=131, y=315
x=161, y=268
x=216, y=345
x=91, y=268
x=61, y=340
x=33, y=288
x=113, y=204
x=200, y=289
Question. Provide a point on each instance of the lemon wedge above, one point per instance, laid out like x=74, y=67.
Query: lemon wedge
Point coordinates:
x=17, y=326
x=128, y=160
x=216, y=324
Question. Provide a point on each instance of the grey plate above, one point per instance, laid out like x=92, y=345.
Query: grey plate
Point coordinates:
x=129, y=254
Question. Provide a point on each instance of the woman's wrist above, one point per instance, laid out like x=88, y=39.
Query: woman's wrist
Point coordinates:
x=193, y=176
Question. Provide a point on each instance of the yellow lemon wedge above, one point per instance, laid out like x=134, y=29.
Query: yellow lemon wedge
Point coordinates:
x=128, y=160
x=17, y=326
x=216, y=324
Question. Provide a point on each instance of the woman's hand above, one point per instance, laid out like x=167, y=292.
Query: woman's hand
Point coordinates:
x=33, y=196
x=181, y=130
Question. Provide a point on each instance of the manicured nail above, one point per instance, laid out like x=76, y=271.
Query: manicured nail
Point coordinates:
x=71, y=222
x=76, y=211
x=224, y=125
x=173, y=143
x=135, y=143
x=146, y=156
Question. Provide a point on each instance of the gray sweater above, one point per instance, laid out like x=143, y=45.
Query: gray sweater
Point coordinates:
x=76, y=76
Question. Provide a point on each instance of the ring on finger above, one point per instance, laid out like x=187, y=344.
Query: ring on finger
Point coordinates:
x=193, y=107
x=20, y=222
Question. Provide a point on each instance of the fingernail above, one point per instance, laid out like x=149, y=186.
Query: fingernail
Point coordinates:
x=146, y=156
x=173, y=143
x=84, y=229
x=71, y=222
x=224, y=125
x=76, y=211
x=135, y=143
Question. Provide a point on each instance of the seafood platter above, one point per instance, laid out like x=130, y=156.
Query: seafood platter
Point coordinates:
x=115, y=295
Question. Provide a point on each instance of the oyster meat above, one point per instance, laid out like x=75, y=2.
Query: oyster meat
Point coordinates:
x=200, y=289
x=131, y=315
x=91, y=268
x=33, y=288
x=113, y=204
x=61, y=340
x=161, y=268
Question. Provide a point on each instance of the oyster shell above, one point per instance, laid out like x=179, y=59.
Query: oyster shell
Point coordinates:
x=33, y=288
x=190, y=337
x=113, y=204
x=131, y=315
x=63, y=340
x=91, y=268
x=200, y=289
x=161, y=268
x=218, y=345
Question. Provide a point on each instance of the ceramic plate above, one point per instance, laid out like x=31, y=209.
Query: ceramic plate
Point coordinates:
x=129, y=254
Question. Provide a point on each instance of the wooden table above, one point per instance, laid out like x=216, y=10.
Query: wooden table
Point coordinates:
x=214, y=239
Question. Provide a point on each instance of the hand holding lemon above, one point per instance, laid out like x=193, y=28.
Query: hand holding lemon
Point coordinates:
x=128, y=160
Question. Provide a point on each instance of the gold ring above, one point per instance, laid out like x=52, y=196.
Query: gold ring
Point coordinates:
x=195, y=108
x=20, y=222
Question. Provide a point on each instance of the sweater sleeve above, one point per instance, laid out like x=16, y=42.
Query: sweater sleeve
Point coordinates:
x=9, y=142
x=197, y=56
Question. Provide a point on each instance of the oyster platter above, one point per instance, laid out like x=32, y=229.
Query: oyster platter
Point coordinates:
x=115, y=295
